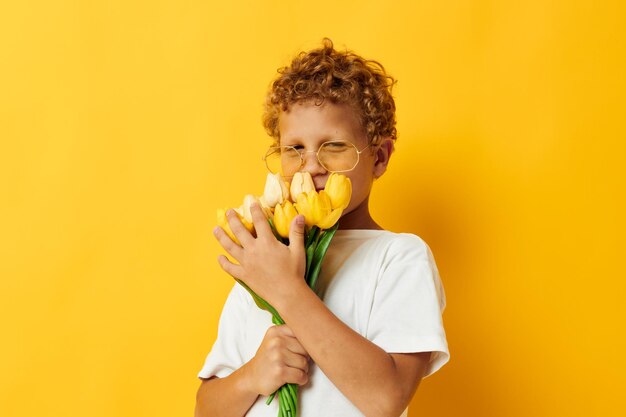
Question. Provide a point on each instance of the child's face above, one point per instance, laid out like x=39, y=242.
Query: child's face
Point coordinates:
x=308, y=126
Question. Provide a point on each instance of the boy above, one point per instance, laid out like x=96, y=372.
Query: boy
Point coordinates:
x=363, y=347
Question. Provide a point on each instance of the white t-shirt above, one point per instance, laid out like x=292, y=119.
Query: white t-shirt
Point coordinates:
x=384, y=285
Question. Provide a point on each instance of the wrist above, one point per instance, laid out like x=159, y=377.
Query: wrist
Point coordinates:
x=245, y=381
x=294, y=297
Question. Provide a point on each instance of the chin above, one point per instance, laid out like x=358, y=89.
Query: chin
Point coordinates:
x=346, y=212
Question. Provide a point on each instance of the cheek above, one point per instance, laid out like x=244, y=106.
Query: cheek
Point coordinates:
x=361, y=187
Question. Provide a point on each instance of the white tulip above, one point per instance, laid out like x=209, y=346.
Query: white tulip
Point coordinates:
x=301, y=183
x=245, y=208
x=276, y=191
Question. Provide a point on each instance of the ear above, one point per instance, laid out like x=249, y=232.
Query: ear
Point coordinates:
x=382, y=155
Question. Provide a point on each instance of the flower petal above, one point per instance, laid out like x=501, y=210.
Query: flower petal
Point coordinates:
x=339, y=189
x=330, y=219
x=275, y=188
x=223, y=223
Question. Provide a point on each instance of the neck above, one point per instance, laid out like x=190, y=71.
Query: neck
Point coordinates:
x=359, y=218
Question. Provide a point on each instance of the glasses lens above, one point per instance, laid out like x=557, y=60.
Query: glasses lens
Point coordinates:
x=338, y=156
x=283, y=160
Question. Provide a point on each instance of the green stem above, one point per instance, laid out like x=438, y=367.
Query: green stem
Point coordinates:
x=310, y=250
x=262, y=304
x=320, y=252
x=288, y=400
x=281, y=406
x=312, y=235
x=293, y=389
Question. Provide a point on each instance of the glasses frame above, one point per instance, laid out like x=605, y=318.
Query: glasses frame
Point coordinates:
x=317, y=155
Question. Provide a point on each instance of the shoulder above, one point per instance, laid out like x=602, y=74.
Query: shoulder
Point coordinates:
x=381, y=246
x=400, y=247
x=409, y=263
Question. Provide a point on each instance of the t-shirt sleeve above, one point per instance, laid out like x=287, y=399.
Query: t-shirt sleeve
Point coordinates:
x=406, y=314
x=226, y=355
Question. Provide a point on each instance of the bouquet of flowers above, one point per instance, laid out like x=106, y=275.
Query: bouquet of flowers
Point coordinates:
x=281, y=202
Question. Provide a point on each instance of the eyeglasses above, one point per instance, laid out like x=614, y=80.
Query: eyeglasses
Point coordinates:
x=334, y=156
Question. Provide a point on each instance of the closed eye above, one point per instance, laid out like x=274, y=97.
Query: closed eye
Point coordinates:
x=336, y=145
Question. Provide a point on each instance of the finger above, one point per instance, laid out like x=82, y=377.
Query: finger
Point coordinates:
x=295, y=376
x=293, y=360
x=292, y=343
x=283, y=329
x=238, y=229
x=227, y=243
x=294, y=346
x=261, y=225
x=232, y=269
x=296, y=232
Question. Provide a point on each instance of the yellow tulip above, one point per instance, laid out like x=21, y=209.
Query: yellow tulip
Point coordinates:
x=301, y=183
x=307, y=204
x=330, y=218
x=317, y=210
x=283, y=215
x=339, y=190
x=222, y=221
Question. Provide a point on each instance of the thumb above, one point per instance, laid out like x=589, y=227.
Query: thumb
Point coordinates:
x=296, y=232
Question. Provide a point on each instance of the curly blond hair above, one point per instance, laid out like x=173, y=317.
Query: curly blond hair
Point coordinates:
x=340, y=77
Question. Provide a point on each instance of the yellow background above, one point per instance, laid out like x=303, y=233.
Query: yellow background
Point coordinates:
x=124, y=125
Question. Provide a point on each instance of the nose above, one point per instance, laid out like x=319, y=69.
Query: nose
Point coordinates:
x=312, y=164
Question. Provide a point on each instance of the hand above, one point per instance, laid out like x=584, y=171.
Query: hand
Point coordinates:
x=280, y=359
x=273, y=270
